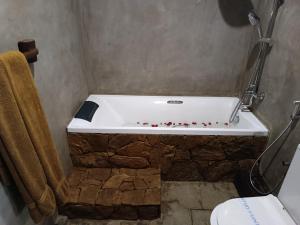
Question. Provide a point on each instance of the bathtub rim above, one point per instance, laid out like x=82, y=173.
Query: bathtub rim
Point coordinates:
x=81, y=126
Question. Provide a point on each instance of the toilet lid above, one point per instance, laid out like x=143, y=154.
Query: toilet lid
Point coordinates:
x=265, y=210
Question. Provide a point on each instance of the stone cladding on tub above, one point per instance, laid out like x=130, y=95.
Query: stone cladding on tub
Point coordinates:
x=104, y=193
x=179, y=157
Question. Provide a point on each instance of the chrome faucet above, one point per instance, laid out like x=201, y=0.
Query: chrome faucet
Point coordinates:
x=265, y=43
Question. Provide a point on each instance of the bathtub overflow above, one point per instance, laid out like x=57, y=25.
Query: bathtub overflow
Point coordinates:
x=174, y=102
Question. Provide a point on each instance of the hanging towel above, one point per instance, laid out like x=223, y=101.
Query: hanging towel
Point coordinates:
x=29, y=152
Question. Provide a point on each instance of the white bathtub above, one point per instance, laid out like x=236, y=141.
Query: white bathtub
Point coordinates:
x=167, y=115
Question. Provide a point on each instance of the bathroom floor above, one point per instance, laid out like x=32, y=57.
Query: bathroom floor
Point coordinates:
x=183, y=203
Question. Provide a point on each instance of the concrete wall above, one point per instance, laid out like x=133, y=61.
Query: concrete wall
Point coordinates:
x=169, y=47
x=165, y=47
x=58, y=73
x=281, y=82
x=12, y=209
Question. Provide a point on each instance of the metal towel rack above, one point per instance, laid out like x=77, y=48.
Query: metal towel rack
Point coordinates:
x=28, y=48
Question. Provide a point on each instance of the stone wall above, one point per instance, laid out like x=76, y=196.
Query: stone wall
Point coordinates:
x=104, y=193
x=180, y=158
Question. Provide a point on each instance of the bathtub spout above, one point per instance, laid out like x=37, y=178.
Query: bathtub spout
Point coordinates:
x=234, y=118
x=247, y=97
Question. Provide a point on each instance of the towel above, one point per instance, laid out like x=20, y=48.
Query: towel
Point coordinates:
x=29, y=152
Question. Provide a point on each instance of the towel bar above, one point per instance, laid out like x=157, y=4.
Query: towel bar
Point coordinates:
x=28, y=48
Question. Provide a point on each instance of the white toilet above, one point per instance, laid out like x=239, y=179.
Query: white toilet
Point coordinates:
x=266, y=210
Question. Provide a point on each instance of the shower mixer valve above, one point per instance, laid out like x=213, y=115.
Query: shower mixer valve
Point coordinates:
x=253, y=96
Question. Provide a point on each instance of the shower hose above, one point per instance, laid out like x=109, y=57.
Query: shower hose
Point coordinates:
x=257, y=161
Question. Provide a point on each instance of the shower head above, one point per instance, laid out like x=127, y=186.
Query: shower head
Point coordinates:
x=253, y=18
x=255, y=21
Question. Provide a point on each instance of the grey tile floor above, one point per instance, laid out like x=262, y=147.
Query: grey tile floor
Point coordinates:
x=183, y=203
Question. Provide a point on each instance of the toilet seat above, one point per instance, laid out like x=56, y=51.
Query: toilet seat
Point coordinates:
x=213, y=216
x=266, y=210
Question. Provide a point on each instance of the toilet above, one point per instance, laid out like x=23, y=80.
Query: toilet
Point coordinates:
x=266, y=210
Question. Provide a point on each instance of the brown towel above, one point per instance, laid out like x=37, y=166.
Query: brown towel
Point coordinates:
x=28, y=152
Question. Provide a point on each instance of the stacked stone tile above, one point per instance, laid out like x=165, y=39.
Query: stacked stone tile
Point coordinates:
x=180, y=158
x=103, y=193
x=117, y=176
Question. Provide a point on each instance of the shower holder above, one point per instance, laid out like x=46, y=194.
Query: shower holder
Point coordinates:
x=261, y=96
x=286, y=163
x=269, y=41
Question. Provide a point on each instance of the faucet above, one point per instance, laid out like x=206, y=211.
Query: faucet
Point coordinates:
x=265, y=41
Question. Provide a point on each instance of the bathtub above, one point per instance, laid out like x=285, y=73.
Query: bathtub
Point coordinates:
x=187, y=138
x=167, y=115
